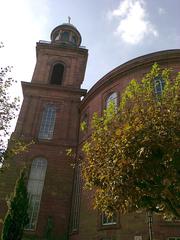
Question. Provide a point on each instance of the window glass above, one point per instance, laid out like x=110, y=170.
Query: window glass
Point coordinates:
x=159, y=85
x=112, y=98
x=65, y=36
x=47, y=123
x=35, y=188
x=106, y=220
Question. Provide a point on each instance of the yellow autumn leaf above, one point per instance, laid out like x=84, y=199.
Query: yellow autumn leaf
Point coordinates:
x=118, y=132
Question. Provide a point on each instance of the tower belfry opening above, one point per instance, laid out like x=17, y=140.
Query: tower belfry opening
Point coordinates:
x=57, y=74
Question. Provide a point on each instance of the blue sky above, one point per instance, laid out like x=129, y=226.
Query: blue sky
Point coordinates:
x=114, y=31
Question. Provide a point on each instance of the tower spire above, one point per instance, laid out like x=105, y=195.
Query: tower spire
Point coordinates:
x=69, y=19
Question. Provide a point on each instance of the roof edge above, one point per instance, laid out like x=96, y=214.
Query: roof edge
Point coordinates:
x=149, y=58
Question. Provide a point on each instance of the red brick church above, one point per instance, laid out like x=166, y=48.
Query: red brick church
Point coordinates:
x=53, y=107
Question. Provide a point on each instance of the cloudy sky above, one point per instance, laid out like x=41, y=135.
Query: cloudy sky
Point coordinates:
x=114, y=31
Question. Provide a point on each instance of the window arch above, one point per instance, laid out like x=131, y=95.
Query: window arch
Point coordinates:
x=158, y=85
x=57, y=74
x=35, y=188
x=113, y=97
x=47, y=123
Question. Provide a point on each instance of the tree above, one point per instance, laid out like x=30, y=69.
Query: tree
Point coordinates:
x=17, y=216
x=132, y=159
x=8, y=108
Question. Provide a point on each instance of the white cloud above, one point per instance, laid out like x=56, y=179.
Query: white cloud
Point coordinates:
x=133, y=24
x=161, y=11
x=22, y=24
x=21, y=27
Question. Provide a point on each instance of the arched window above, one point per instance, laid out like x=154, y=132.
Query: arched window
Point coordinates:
x=47, y=122
x=65, y=36
x=35, y=188
x=113, y=97
x=57, y=74
x=158, y=85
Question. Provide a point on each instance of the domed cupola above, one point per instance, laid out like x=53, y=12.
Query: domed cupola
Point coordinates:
x=66, y=33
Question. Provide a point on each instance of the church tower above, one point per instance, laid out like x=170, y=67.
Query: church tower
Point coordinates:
x=50, y=117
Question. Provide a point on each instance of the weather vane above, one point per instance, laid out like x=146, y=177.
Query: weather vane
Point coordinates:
x=69, y=19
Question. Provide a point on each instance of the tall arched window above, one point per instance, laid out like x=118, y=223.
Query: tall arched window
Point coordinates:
x=47, y=122
x=57, y=74
x=113, y=97
x=35, y=188
x=158, y=85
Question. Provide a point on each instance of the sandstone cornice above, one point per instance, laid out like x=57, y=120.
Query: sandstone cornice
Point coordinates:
x=26, y=86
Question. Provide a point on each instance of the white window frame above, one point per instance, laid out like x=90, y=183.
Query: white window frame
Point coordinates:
x=35, y=189
x=47, y=123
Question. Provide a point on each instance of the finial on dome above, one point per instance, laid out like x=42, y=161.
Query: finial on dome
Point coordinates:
x=69, y=19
